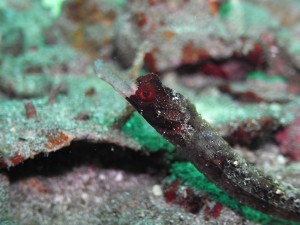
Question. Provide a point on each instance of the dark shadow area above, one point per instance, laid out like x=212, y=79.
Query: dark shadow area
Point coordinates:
x=81, y=153
x=226, y=68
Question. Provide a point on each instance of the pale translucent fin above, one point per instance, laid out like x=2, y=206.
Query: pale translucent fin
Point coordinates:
x=111, y=76
x=139, y=60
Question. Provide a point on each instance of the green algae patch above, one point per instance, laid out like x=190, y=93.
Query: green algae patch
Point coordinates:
x=247, y=18
x=55, y=6
x=260, y=75
x=221, y=110
x=188, y=174
x=145, y=135
x=225, y=9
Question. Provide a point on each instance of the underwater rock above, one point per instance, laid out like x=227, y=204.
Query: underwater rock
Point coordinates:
x=88, y=26
x=185, y=32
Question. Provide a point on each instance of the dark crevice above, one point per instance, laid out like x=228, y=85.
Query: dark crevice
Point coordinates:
x=243, y=66
x=82, y=153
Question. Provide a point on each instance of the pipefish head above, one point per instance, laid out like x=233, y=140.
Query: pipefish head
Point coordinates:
x=163, y=108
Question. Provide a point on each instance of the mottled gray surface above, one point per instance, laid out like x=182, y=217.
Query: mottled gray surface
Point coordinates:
x=35, y=60
x=91, y=194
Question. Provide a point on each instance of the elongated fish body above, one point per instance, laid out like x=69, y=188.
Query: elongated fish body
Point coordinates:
x=176, y=119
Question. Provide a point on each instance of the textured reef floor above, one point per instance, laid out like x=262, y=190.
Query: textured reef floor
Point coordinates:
x=71, y=152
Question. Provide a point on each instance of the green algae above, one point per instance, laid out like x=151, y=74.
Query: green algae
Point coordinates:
x=221, y=110
x=260, y=75
x=31, y=21
x=289, y=39
x=146, y=135
x=246, y=18
x=225, y=9
x=55, y=6
x=189, y=175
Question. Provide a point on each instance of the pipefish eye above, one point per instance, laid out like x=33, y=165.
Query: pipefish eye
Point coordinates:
x=148, y=87
x=146, y=93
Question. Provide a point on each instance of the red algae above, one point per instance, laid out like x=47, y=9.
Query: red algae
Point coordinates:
x=30, y=110
x=57, y=139
x=177, y=194
x=150, y=61
x=289, y=140
x=213, y=212
x=140, y=19
x=252, y=130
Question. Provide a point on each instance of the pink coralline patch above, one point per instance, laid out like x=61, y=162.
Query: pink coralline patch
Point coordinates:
x=30, y=110
x=186, y=197
x=168, y=35
x=172, y=28
x=256, y=56
x=214, y=6
x=17, y=159
x=240, y=66
x=251, y=130
x=13, y=161
x=213, y=212
x=229, y=70
x=152, y=2
x=170, y=192
x=140, y=19
x=246, y=96
x=183, y=196
x=150, y=61
x=35, y=185
x=191, y=54
x=232, y=68
x=216, y=70
x=289, y=140
x=57, y=140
